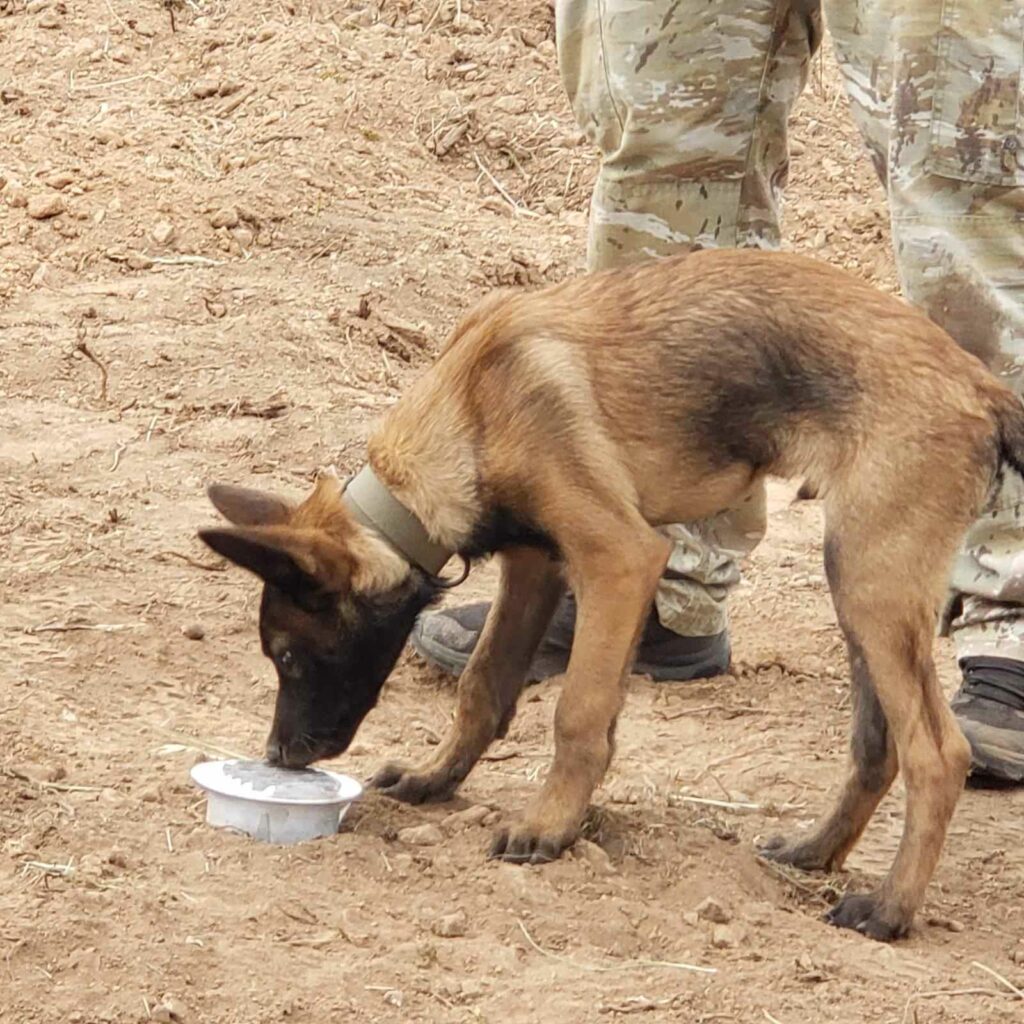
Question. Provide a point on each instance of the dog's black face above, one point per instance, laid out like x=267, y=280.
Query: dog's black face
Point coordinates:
x=338, y=605
x=332, y=653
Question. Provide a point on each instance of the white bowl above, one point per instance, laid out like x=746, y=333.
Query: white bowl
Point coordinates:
x=274, y=805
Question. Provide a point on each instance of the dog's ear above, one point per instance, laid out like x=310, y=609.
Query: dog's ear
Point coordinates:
x=291, y=560
x=245, y=507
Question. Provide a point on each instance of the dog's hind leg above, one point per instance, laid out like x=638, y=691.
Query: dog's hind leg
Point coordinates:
x=890, y=566
x=530, y=588
x=873, y=763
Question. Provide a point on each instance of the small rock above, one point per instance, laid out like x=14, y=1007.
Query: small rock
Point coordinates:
x=60, y=180
x=225, y=218
x=15, y=195
x=451, y=926
x=797, y=148
x=50, y=20
x=194, y=631
x=169, y=1010
x=761, y=914
x=690, y=917
x=421, y=835
x=595, y=856
x=117, y=858
x=139, y=262
x=45, y=207
x=43, y=772
x=243, y=236
x=467, y=818
x=946, y=922
x=723, y=936
x=163, y=232
x=711, y=910
x=203, y=88
x=394, y=997
x=511, y=104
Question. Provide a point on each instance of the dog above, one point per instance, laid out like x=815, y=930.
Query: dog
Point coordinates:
x=557, y=430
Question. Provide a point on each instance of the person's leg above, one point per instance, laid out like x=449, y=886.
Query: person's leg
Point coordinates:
x=688, y=104
x=936, y=90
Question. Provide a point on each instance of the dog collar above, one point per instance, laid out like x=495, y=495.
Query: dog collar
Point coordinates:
x=375, y=506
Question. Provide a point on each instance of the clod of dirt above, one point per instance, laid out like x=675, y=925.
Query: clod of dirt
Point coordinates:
x=163, y=232
x=459, y=820
x=225, y=218
x=595, y=856
x=203, y=88
x=511, y=104
x=724, y=936
x=60, y=180
x=44, y=207
x=42, y=772
x=15, y=195
x=194, y=631
x=711, y=910
x=170, y=1011
x=51, y=20
x=421, y=835
x=451, y=926
x=117, y=859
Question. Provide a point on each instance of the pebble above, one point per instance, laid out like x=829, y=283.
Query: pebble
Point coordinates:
x=60, y=180
x=50, y=20
x=43, y=772
x=723, y=937
x=169, y=1010
x=451, y=926
x=203, y=88
x=117, y=858
x=421, y=835
x=511, y=104
x=225, y=218
x=467, y=818
x=595, y=856
x=163, y=232
x=711, y=910
x=394, y=997
x=139, y=262
x=15, y=195
x=194, y=631
x=45, y=207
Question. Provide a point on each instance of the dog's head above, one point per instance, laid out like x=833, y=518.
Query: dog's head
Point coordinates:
x=338, y=605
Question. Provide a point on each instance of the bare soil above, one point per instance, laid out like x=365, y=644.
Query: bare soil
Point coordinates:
x=230, y=234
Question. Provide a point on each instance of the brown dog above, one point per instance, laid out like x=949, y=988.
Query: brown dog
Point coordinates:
x=558, y=429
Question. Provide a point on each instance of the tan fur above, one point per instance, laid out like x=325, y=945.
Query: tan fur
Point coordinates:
x=590, y=412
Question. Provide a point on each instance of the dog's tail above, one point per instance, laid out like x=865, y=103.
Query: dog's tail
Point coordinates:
x=1008, y=411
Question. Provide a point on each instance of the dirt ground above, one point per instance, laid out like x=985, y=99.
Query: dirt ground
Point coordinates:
x=229, y=235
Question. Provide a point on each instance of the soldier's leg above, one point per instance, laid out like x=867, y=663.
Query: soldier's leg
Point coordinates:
x=936, y=88
x=687, y=103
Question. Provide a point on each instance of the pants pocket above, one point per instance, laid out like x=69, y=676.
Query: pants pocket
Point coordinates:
x=977, y=130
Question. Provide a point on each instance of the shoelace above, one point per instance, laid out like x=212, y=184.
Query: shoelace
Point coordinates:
x=996, y=679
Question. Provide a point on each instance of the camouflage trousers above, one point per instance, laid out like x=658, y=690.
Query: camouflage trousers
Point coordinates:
x=688, y=103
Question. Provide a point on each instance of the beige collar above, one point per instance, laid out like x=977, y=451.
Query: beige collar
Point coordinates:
x=375, y=506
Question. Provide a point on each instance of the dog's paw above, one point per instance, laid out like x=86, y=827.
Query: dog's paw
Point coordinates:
x=807, y=856
x=413, y=787
x=869, y=915
x=525, y=845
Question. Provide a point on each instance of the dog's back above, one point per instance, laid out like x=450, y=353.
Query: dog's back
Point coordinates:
x=693, y=374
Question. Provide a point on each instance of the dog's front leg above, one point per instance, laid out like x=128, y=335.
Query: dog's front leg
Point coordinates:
x=614, y=590
x=530, y=588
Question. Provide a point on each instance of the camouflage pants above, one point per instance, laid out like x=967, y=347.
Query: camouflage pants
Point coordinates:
x=688, y=103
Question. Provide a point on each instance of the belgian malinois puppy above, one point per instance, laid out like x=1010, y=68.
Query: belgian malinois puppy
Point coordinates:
x=558, y=429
